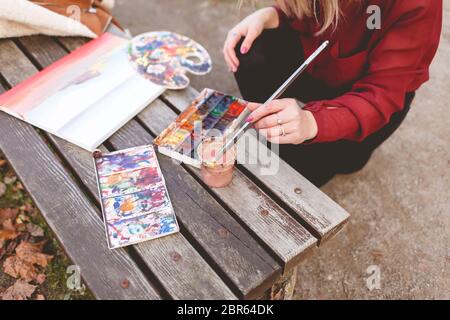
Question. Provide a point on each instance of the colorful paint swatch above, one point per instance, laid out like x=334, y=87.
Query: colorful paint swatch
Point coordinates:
x=135, y=201
x=130, y=182
x=135, y=204
x=142, y=228
x=212, y=113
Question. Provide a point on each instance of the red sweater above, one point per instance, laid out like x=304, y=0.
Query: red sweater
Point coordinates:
x=380, y=66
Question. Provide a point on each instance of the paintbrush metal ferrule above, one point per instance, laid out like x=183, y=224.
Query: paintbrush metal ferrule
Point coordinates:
x=231, y=141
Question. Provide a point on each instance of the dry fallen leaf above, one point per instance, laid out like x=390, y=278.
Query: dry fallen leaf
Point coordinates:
x=35, y=230
x=9, y=226
x=7, y=235
x=41, y=278
x=6, y=214
x=23, y=264
x=31, y=252
x=17, y=268
x=2, y=162
x=10, y=180
x=21, y=290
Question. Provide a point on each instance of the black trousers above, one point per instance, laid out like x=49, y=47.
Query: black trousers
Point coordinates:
x=273, y=58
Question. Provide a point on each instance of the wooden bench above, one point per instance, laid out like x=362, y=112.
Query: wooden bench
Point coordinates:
x=235, y=242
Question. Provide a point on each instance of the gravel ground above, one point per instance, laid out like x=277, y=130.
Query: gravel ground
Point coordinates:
x=400, y=203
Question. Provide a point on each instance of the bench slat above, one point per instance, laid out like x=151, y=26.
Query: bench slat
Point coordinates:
x=281, y=233
x=177, y=277
x=69, y=213
x=319, y=213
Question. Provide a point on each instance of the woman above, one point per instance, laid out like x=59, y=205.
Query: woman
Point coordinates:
x=357, y=93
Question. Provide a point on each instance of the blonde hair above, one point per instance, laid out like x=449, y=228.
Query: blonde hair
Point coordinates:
x=328, y=11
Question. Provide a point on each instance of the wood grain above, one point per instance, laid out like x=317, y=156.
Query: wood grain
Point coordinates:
x=319, y=213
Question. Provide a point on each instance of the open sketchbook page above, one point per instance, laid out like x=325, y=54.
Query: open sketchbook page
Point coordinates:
x=86, y=96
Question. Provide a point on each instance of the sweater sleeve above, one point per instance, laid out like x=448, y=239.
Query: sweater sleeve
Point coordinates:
x=398, y=63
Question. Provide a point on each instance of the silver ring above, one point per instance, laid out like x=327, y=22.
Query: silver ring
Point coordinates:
x=234, y=34
x=283, y=133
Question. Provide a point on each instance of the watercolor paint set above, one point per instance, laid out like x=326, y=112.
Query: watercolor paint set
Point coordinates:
x=135, y=202
x=211, y=114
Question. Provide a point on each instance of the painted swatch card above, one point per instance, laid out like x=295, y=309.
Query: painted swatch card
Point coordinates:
x=135, y=202
x=212, y=113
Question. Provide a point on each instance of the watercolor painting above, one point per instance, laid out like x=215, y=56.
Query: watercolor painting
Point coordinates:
x=212, y=113
x=81, y=97
x=135, y=204
x=164, y=58
x=121, y=161
x=131, y=231
x=135, y=201
x=129, y=182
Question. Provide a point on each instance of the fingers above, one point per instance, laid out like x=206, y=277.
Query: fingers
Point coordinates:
x=253, y=106
x=272, y=120
x=265, y=110
x=277, y=130
x=287, y=139
x=248, y=41
x=229, y=50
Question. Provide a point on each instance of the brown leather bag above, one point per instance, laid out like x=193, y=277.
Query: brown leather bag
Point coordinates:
x=89, y=12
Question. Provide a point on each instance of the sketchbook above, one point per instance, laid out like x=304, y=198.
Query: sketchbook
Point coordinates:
x=135, y=202
x=86, y=96
x=212, y=113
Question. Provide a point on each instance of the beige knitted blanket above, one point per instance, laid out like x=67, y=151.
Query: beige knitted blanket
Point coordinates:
x=23, y=18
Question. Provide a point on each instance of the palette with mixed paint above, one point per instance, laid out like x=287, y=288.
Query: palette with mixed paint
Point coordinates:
x=212, y=113
x=135, y=202
x=165, y=58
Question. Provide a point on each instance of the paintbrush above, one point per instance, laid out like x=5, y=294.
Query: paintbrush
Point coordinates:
x=231, y=141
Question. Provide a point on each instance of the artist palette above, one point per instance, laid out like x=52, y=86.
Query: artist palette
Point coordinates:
x=165, y=58
x=211, y=114
x=135, y=201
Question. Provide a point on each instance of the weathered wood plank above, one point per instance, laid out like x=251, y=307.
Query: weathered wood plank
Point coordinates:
x=277, y=229
x=82, y=161
x=72, y=43
x=319, y=213
x=65, y=208
x=229, y=246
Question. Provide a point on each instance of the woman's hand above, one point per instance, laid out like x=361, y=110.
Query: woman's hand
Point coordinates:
x=250, y=28
x=283, y=121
